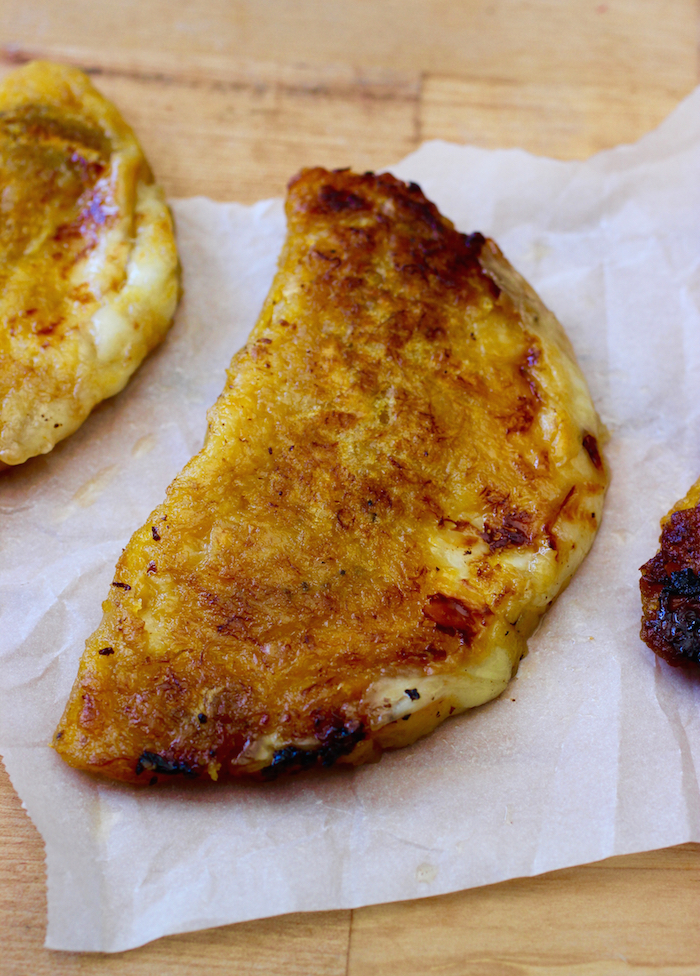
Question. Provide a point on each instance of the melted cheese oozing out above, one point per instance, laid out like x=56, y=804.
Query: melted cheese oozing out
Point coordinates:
x=467, y=688
x=150, y=288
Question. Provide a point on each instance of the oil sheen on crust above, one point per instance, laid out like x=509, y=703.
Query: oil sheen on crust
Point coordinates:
x=88, y=267
x=399, y=477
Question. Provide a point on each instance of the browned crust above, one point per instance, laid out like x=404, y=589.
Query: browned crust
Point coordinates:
x=386, y=406
x=670, y=591
x=80, y=211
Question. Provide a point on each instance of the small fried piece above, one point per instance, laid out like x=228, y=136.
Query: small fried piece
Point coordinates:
x=670, y=587
x=88, y=264
x=399, y=477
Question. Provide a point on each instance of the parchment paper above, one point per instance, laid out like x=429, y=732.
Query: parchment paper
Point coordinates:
x=595, y=747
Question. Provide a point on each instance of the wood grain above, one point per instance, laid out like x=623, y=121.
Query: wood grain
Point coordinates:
x=553, y=41
x=606, y=918
x=230, y=98
x=238, y=130
x=564, y=120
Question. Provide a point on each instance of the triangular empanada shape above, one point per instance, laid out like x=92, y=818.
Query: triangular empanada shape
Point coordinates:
x=399, y=477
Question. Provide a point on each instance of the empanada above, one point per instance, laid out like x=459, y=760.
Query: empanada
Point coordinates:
x=88, y=264
x=670, y=586
x=400, y=475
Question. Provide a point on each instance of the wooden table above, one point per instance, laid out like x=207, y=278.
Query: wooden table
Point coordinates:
x=231, y=97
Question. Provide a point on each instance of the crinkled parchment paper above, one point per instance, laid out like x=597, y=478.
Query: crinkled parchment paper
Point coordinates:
x=595, y=747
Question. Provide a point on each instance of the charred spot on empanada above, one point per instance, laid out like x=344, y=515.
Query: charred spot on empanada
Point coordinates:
x=670, y=589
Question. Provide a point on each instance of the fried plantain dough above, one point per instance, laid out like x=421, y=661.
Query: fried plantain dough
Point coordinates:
x=670, y=587
x=400, y=475
x=88, y=264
